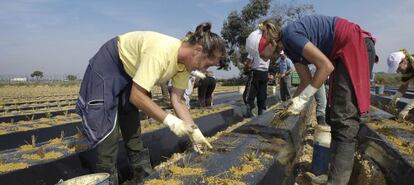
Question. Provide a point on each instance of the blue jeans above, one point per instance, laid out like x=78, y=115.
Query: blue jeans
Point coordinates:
x=321, y=101
x=285, y=88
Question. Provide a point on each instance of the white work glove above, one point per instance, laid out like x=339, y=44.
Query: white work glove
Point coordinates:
x=177, y=125
x=198, y=74
x=298, y=103
x=198, y=140
x=180, y=128
x=404, y=113
x=395, y=98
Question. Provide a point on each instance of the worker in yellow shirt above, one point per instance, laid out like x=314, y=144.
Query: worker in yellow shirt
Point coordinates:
x=118, y=79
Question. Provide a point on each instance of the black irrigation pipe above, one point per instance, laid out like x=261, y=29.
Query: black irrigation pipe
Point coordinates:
x=244, y=140
x=396, y=168
x=162, y=144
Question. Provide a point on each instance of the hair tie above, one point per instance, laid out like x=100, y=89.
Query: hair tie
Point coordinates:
x=261, y=26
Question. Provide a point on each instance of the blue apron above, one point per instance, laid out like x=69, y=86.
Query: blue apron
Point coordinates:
x=105, y=86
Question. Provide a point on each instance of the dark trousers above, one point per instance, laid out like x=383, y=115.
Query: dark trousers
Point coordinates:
x=344, y=118
x=205, y=91
x=128, y=126
x=343, y=114
x=256, y=87
x=285, y=88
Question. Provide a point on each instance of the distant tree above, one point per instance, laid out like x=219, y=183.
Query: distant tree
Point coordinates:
x=37, y=74
x=238, y=26
x=71, y=77
x=284, y=12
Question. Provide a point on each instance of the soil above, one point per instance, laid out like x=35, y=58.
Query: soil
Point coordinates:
x=366, y=172
x=219, y=181
x=304, y=156
x=399, y=134
x=251, y=164
x=185, y=171
x=42, y=156
x=26, y=147
x=7, y=167
x=164, y=182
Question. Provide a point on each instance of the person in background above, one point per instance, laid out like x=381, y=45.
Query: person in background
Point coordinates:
x=206, y=88
x=405, y=66
x=338, y=48
x=321, y=101
x=256, y=86
x=394, y=60
x=189, y=91
x=322, y=139
x=191, y=83
x=165, y=95
x=117, y=82
x=286, y=67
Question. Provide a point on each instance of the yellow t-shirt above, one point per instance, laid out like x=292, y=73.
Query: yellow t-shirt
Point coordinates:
x=151, y=58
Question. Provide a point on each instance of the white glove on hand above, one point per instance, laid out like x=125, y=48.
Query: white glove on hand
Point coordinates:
x=198, y=140
x=404, y=113
x=298, y=102
x=198, y=74
x=395, y=98
x=177, y=125
x=180, y=128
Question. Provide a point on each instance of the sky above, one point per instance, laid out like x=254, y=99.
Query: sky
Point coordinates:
x=58, y=37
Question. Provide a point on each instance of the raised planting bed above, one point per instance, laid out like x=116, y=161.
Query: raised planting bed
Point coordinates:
x=27, y=115
x=34, y=106
x=20, y=98
x=33, y=154
x=408, y=94
x=390, y=145
x=384, y=103
x=254, y=152
x=396, y=88
x=16, y=102
x=162, y=143
x=44, y=129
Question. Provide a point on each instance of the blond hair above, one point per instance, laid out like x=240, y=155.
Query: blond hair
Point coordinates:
x=271, y=31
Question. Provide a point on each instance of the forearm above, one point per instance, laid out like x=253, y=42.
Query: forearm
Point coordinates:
x=320, y=77
x=323, y=65
x=304, y=76
x=145, y=104
x=182, y=111
x=288, y=72
x=302, y=85
x=179, y=106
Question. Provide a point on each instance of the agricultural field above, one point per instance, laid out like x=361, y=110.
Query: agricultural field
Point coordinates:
x=43, y=133
x=40, y=123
